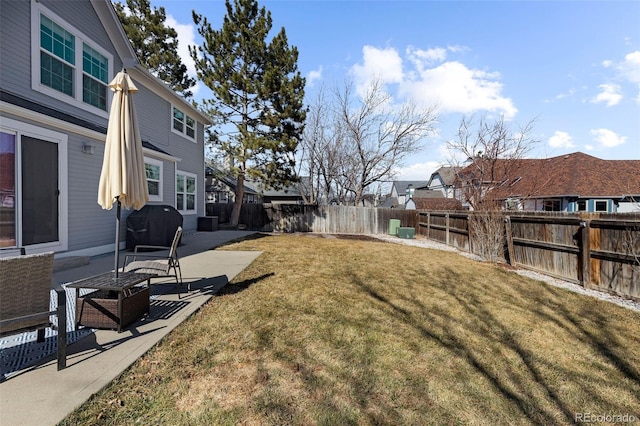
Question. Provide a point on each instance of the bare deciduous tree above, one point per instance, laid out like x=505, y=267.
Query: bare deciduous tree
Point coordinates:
x=352, y=142
x=378, y=135
x=492, y=153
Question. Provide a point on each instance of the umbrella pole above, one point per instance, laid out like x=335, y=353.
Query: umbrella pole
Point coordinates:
x=117, y=253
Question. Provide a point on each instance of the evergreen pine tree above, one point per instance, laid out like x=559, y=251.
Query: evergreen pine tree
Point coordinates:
x=155, y=43
x=258, y=93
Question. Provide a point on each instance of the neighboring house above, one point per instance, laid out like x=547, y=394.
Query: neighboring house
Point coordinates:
x=399, y=191
x=419, y=196
x=571, y=183
x=56, y=60
x=221, y=188
x=443, y=180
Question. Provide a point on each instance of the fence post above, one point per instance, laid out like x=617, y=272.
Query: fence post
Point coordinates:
x=509, y=234
x=447, y=226
x=585, y=253
x=428, y=223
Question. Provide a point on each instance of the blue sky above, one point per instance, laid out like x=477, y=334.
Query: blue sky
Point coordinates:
x=573, y=66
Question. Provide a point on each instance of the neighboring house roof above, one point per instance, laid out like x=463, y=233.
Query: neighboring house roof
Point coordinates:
x=389, y=202
x=447, y=175
x=574, y=175
x=437, y=204
x=427, y=193
x=225, y=179
x=401, y=185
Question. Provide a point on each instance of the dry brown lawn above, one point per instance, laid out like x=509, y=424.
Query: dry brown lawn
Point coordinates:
x=336, y=331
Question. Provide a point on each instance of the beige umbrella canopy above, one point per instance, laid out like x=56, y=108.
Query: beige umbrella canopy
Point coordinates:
x=123, y=178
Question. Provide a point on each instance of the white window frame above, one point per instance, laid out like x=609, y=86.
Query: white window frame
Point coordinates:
x=599, y=202
x=20, y=129
x=76, y=100
x=160, y=164
x=183, y=133
x=195, y=193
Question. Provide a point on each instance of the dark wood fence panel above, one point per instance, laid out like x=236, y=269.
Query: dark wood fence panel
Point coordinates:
x=597, y=251
x=549, y=244
x=614, y=249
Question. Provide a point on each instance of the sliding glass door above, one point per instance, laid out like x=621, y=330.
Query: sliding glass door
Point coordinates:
x=29, y=191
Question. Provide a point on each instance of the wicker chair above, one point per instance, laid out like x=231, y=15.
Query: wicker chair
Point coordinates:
x=162, y=265
x=25, y=293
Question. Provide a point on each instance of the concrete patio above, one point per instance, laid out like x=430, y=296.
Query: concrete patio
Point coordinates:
x=41, y=395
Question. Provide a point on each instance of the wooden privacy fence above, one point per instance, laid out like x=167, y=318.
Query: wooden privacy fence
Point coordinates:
x=307, y=218
x=598, y=251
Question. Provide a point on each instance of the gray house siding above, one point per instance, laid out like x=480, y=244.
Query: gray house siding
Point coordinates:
x=17, y=45
x=88, y=229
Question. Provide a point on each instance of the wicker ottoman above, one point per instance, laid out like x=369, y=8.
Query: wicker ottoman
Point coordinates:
x=99, y=309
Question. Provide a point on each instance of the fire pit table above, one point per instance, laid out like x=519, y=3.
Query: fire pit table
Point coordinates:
x=116, y=301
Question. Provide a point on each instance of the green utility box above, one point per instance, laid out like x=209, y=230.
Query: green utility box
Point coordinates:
x=394, y=224
x=406, y=232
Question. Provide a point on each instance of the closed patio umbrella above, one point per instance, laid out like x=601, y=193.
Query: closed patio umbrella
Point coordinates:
x=123, y=178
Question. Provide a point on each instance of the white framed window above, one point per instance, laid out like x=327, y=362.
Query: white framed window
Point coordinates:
x=602, y=206
x=153, y=169
x=186, y=192
x=183, y=124
x=66, y=62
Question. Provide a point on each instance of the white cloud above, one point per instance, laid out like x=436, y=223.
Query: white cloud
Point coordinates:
x=417, y=171
x=610, y=94
x=607, y=138
x=186, y=37
x=314, y=75
x=561, y=140
x=384, y=65
x=452, y=86
x=456, y=88
x=630, y=67
x=607, y=63
x=421, y=57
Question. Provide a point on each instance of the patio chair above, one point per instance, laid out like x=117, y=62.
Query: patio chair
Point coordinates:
x=166, y=265
x=25, y=293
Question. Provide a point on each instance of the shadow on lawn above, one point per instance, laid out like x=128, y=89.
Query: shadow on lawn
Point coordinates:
x=242, y=285
x=528, y=383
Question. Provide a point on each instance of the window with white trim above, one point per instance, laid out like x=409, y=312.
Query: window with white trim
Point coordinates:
x=153, y=169
x=186, y=190
x=65, y=61
x=183, y=124
x=601, y=206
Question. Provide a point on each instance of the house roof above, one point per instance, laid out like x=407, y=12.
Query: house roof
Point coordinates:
x=226, y=179
x=401, y=185
x=438, y=204
x=576, y=174
x=447, y=175
x=427, y=193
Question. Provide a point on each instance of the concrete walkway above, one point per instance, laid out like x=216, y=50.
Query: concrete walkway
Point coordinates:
x=42, y=395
